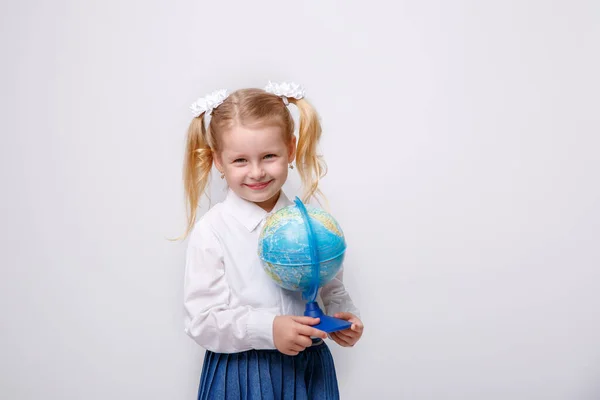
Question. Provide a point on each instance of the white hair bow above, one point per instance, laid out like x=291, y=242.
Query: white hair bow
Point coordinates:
x=209, y=102
x=285, y=90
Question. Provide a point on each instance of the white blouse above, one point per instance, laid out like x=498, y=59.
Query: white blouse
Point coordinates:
x=230, y=302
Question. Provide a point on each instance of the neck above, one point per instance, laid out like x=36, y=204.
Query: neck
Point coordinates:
x=268, y=205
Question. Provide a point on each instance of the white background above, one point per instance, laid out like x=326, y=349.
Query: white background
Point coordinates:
x=462, y=139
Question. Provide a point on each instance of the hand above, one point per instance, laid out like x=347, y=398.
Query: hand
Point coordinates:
x=348, y=337
x=291, y=334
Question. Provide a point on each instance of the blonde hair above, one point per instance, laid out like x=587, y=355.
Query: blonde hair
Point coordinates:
x=250, y=107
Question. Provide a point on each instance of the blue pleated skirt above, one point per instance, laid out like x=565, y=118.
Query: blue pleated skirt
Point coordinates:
x=269, y=374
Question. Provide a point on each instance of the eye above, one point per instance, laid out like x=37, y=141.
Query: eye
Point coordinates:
x=269, y=156
x=239, y=160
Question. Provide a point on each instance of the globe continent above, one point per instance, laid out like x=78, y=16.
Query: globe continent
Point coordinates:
x=284, y=249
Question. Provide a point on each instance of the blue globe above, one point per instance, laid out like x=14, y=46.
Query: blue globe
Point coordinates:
x=283, y=247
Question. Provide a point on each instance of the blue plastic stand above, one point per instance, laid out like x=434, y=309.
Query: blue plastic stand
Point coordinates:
x=327, y=324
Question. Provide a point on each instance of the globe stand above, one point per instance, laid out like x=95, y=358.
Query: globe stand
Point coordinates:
x=327, y=324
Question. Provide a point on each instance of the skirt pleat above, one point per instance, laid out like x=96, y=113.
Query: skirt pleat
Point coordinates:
x=269, y=374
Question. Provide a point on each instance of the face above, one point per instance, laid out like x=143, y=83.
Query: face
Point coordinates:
x=255, y=162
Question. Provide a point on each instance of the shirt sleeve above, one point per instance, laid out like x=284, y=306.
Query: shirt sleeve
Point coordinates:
x=335, y=297
x=209, y=319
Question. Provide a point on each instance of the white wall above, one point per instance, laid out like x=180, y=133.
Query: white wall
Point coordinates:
x=462, y=139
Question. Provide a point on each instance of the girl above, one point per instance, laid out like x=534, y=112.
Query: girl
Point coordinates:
x=259, y=346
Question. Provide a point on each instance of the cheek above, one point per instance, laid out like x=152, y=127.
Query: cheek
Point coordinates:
x=279, y=168
x=235, y=173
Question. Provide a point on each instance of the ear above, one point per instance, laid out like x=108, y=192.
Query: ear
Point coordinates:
x=292, y=149
x=218, y=161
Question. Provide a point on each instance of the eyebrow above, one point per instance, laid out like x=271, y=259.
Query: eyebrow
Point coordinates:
x=243, y=155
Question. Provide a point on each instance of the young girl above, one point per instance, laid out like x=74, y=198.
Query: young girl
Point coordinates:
x=259, y=346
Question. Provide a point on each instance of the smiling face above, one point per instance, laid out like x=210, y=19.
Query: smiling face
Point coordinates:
x=255, y=162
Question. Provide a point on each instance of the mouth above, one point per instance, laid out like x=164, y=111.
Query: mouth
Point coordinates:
x=258, y=186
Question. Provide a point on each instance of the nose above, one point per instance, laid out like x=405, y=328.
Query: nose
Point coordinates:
x=257, y=172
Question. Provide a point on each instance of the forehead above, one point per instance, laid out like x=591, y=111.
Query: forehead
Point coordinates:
x=240, y=139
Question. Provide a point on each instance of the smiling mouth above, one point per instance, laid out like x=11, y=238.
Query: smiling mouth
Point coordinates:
x=259, y=186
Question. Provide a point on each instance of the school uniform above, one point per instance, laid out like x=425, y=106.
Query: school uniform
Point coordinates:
x=230, y=304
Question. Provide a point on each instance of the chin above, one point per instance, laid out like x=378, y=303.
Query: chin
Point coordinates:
x=260, y=197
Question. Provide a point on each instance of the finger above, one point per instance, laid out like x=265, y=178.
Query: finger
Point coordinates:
x=303, y=341
x=310, y=331
x=350, y=340
x=347, y=333
x=289, y=351
x=297, y=348
x=351, y=337
x=341, y=340
x=344, y=315
x=357, y=325
x=336, y=339
x=306, y=320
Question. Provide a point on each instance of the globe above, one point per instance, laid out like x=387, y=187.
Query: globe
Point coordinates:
x=285, y=249
x=302, y=248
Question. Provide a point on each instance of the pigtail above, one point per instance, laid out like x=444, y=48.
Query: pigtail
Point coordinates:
x=196, y=169
x=311, y=167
